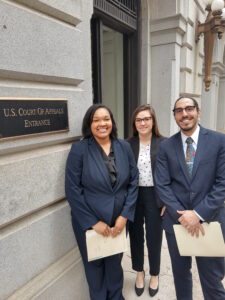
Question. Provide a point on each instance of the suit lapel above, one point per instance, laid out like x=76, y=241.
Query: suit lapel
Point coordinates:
x=118, y=160
x=180, y=156
x=135, y=146
x=201, y=150
x=153, y=151
x=97, y=158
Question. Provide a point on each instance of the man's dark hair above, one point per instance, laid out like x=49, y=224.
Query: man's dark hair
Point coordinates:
x=88, y=118
x=195, y=102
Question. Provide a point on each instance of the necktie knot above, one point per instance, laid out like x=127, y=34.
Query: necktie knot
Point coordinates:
x=189, y=141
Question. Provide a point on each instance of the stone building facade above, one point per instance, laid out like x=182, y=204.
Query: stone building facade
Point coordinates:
x=46, y=53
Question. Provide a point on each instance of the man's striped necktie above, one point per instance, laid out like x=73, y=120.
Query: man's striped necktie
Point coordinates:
x=190, y=155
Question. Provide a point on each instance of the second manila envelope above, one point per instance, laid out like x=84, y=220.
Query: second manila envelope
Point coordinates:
x=211, y=244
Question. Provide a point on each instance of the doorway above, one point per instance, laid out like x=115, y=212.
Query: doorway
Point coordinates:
x=113, y=87
x=115, y=67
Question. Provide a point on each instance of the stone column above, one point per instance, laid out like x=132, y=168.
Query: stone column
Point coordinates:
x=213, y=101
x=166, y=41
x=209, y=107
x=176, y=60
x=221, y=104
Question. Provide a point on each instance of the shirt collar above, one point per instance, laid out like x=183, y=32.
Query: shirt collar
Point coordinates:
x=194, y=136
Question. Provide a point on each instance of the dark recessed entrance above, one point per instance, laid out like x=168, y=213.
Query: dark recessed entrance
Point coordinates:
x=115, y=58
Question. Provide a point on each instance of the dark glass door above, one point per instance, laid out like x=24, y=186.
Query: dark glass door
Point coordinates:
x=115, y=68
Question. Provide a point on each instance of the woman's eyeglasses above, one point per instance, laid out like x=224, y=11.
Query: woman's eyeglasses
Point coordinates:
x=145, y=120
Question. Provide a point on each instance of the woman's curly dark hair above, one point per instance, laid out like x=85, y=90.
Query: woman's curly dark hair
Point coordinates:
x=88, y=118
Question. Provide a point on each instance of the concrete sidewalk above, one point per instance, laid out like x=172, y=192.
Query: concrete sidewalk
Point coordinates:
x=166, y=285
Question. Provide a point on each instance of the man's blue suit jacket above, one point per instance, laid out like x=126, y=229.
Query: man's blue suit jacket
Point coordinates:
x=88, y=188
x=204, y=192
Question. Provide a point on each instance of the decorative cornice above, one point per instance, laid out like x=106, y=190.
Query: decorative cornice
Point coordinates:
x=168, y=30
x=177, y=22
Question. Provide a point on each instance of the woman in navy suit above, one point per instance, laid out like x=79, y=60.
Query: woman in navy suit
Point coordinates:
x=145, y=141
x=101, y=187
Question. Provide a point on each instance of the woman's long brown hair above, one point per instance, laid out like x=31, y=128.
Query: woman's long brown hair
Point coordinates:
x=155, y=129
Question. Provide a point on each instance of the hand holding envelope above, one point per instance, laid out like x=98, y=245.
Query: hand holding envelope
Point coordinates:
x=211, y=244
x=99, y=246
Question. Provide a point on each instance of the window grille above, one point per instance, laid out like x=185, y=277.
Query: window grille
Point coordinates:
x=123, y=10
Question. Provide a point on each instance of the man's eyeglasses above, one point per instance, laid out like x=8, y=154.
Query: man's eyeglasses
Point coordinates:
x=188, y=109
x=139, y=120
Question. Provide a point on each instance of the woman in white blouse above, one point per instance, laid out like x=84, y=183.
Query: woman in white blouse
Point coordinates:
x=144, y=142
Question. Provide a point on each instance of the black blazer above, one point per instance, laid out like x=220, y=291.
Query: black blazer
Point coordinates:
x=155, y=141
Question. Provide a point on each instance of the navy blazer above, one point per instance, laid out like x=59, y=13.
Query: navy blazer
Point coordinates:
x=204, y=192
x=88, y=188
x=155, y=141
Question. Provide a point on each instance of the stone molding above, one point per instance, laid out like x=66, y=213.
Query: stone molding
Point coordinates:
x=168, y=30
x=218, y=69
x=177, y=22
x=71, y=15
x=44, y=280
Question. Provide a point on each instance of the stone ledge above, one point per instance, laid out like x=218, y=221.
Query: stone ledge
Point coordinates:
x=48, y=277
x=39, y=78
x=35, y=44
x=168, y=30
x=177, y=22
x=66, y=13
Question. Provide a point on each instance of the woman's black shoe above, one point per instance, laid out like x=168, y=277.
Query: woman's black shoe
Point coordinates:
x=153, y=292
x=139, y=291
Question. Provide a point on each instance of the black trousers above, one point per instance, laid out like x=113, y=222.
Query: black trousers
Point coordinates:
x=148, y=212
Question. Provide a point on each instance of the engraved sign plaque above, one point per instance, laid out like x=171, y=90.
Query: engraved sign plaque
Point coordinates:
x=23, y=117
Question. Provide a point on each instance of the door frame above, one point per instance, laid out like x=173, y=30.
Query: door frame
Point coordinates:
x=130, y=67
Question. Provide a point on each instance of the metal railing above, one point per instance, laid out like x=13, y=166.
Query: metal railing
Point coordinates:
x=123, y=10
x=128, y=6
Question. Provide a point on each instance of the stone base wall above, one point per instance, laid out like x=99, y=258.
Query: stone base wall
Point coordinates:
x=45, y=53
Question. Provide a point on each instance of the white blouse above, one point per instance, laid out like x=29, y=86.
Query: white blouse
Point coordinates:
x=144, y=166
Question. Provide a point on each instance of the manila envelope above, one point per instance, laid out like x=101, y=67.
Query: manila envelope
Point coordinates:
x=211, y=244
x=99, y=246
